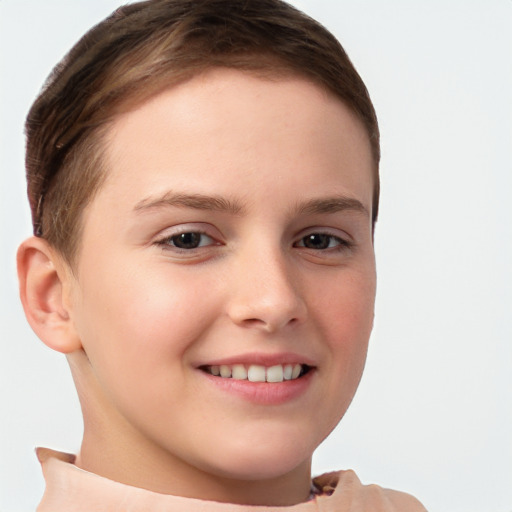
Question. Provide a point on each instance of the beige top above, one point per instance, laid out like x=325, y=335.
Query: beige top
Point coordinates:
x=71, y=489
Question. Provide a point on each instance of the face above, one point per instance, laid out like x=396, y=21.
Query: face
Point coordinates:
x=233, y=236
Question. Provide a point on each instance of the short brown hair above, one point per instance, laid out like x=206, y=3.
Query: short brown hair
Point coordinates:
x=143, y=48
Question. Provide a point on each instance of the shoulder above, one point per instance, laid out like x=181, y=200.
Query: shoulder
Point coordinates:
x=344, y=491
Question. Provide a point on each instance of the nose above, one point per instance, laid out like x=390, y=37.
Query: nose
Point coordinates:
x=265, y=292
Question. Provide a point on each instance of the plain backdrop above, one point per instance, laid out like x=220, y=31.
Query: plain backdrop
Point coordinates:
x=433, y=415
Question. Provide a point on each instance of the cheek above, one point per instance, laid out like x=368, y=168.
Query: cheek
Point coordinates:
x=347, y=313
x=136, y=330
x=347, y=307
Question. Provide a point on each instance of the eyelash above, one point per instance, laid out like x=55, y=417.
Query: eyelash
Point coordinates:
x=340, y=243
x=168, y=241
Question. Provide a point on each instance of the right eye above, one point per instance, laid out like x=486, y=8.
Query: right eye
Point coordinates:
x=187, y=241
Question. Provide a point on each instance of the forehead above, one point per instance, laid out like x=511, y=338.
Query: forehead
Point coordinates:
x=226, y=125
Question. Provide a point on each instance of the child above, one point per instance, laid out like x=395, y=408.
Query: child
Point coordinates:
x=203, y=179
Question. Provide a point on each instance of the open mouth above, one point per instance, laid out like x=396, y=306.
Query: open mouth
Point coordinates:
x=258, y=373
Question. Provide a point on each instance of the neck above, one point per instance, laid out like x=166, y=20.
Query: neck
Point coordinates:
x=140, y=464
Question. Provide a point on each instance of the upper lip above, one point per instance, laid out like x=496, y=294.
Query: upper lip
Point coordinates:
x=260, y=358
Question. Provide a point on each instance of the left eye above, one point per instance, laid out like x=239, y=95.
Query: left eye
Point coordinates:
x=320, y=241
x=188, y=240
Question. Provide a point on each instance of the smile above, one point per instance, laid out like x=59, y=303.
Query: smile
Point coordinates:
x=258, y=373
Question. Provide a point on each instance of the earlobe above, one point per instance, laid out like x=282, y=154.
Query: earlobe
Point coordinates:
x=43, y=280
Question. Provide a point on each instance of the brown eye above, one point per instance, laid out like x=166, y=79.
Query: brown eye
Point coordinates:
x=321, y=241
x=317, y=241
x=187, y=241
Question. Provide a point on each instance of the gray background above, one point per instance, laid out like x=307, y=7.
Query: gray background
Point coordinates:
x=433, y=415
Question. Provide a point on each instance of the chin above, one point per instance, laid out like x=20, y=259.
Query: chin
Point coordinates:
x=251, y=469
x=262, y=459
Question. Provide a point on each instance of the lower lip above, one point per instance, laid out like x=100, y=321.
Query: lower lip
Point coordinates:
x=263, y=393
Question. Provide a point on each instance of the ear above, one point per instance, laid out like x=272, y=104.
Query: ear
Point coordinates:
x=45, y=283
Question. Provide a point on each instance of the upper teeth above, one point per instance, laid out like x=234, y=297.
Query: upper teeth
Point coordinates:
x=256, y=372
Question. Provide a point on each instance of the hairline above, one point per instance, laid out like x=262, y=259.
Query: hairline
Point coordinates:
x=263, y=65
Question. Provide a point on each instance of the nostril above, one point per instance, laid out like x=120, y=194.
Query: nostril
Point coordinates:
x=253, y=322
x=267, y=311
x=269, y=325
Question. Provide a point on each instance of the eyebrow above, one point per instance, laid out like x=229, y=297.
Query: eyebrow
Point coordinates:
x=333, y=204
x=326, y=205
x=195, y=201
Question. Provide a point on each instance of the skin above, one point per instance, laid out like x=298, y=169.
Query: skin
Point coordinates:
x=138, y=315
